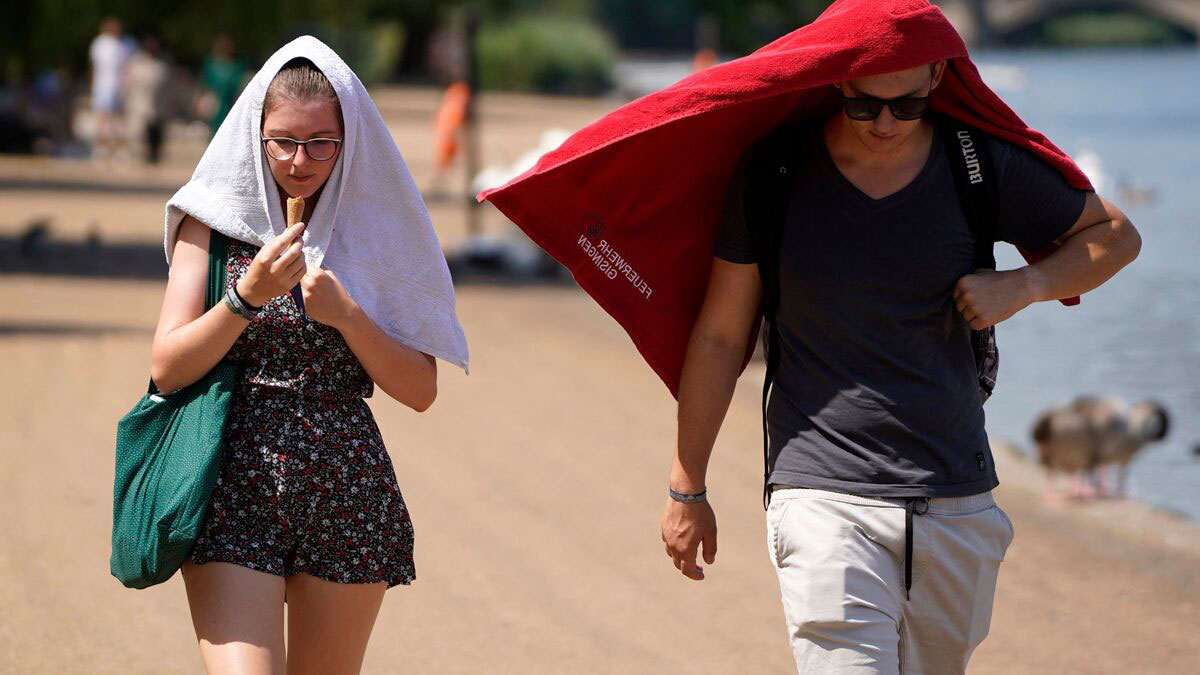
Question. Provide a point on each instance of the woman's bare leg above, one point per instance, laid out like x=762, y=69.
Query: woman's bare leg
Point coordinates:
x=238, y=616
x=328, y=624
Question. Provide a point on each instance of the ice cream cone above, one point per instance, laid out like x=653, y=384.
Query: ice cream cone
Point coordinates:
x=295, y=210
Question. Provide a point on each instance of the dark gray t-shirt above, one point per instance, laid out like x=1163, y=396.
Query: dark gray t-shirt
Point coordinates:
x=876, y=392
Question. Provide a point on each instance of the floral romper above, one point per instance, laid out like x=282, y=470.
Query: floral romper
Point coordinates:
x=306, y=484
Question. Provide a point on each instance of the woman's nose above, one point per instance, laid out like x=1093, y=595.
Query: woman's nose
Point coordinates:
x=301, y=158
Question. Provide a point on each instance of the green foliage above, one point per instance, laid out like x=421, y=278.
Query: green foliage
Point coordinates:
x=554, y=55
x=382, y=38
x=744, y=25
x=56, y=33
x=373, y=52
x=638, y=24
x=1110, y=29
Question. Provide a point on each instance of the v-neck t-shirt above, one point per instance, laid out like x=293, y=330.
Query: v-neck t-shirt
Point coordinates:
x=877, y=392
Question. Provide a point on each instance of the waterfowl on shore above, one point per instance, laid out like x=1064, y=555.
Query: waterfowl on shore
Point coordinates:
x=1094, y=432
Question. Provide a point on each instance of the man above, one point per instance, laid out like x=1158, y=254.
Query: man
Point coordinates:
x=875, y=415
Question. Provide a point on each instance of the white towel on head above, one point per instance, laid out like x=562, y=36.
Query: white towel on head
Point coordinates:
x=370, y=225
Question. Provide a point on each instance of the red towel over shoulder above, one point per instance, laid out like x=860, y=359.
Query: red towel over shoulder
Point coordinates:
x=631, y=203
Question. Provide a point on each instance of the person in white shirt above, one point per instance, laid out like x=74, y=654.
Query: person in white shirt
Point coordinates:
x=146, y=105
x=109, y=56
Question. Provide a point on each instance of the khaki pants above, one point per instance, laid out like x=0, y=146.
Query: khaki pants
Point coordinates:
x=841, y=558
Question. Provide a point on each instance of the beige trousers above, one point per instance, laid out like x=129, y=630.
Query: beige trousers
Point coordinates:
x=841, y=562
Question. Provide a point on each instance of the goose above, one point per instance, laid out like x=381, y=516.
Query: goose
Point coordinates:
x=1093, y=432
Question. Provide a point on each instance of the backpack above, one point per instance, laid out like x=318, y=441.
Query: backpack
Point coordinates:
x=768, y=170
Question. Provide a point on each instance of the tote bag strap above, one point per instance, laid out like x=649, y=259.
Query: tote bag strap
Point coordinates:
x=218, y=257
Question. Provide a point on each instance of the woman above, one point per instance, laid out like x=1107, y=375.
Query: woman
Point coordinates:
x=306, y=507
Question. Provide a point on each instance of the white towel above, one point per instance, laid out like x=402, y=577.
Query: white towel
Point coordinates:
x=370, y=225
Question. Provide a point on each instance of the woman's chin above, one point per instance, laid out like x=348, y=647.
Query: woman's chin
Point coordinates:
x=301, y=191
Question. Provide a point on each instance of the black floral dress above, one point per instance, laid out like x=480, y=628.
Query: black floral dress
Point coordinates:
x=306, y=484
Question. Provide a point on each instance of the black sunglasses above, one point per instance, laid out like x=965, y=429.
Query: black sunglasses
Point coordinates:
x=282, y=148
x=867, y=108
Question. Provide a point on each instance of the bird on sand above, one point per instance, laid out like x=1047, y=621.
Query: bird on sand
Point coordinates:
x=1092, y=433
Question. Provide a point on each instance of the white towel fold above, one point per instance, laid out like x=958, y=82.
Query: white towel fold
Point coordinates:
x=370, y=225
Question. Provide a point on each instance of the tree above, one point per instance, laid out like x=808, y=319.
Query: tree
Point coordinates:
x=743, y=25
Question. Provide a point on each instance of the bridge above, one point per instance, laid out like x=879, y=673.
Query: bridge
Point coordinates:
x=989, y=21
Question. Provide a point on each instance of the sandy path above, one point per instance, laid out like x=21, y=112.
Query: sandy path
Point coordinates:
x=536, y=485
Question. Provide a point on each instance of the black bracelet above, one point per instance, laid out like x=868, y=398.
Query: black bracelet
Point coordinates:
x=701, y=496
x=245, y=304
x=234, y=303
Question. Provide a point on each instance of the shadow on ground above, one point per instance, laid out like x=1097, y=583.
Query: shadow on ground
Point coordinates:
x=34, y=252
x=41, y=184
x=9, y=329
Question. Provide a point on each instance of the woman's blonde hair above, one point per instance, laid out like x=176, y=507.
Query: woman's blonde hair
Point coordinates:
x=301, y=80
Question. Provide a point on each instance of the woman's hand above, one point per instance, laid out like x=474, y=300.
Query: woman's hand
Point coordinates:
x=325, y=299
x=277, y=268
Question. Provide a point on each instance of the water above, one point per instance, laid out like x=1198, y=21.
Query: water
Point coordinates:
x=1132, y=119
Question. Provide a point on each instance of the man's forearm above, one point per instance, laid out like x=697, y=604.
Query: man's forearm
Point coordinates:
x=710, y=373
x=1083, y=262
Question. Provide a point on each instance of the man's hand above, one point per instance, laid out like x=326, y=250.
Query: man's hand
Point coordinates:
x=988, y=297
x=684, y=528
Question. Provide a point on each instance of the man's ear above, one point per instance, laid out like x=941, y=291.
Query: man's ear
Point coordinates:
x=939, y=69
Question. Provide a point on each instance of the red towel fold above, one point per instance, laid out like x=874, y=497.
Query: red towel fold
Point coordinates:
x=631, y=203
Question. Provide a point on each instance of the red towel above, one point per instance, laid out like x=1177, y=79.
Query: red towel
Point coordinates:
x=631, y=203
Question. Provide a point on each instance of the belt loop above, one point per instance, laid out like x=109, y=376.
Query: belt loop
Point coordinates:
x=910, y=507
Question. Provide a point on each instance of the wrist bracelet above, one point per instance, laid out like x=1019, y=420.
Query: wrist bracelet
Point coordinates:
x=701, y=496
x=236, y=305
x=242, y=300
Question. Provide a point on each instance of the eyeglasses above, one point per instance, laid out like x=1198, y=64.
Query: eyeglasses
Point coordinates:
x=319, y=149
x=867, y=108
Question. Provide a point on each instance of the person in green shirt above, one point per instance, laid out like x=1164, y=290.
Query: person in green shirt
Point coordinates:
x=222, y=75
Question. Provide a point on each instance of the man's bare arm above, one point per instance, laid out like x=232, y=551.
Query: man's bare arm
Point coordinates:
x=1096, y=247
x=710, y=371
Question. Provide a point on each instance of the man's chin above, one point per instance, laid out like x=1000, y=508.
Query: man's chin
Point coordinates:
x=877, y=143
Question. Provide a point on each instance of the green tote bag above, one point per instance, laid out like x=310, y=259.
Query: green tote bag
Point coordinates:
x=168, y=457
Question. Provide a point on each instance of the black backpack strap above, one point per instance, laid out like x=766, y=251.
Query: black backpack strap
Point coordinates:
x=976, y=181
x=978, y=188
x=769, y=172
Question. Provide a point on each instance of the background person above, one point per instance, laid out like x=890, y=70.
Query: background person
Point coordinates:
x=109, y=57
x=147, y=107
x=221, y=76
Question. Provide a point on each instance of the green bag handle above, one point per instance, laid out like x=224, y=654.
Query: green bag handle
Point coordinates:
x=218, y=258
